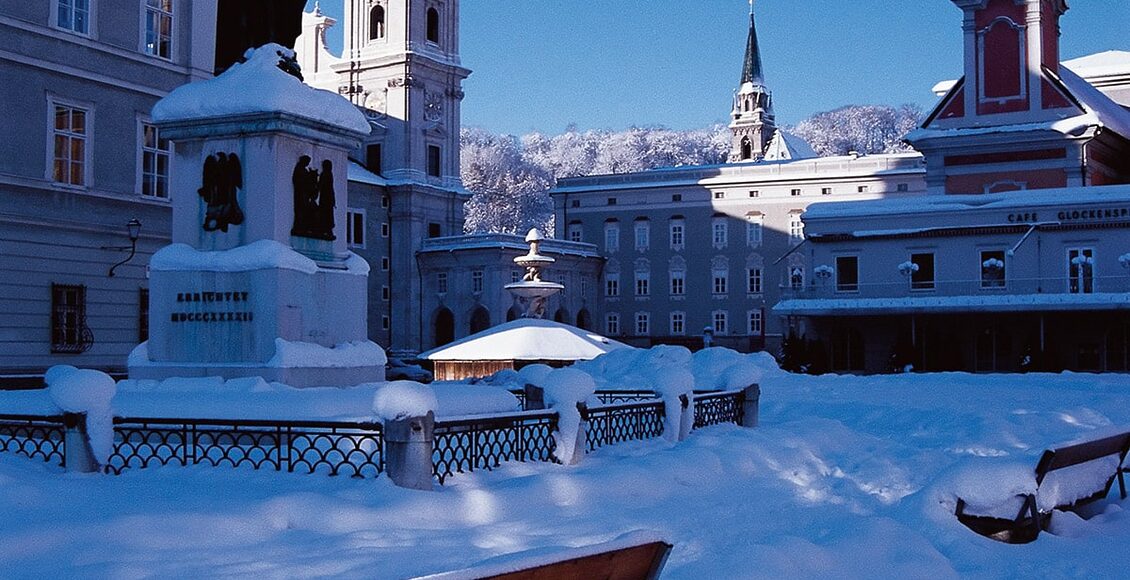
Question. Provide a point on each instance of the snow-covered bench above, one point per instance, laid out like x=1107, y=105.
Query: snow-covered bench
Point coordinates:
x=1066, y=490
x=635, y=556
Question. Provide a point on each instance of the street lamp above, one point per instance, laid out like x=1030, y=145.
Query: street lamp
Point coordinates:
x=133, y=229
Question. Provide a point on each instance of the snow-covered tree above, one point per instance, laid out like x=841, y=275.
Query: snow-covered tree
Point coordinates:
x=509, y=193
x=860, y=128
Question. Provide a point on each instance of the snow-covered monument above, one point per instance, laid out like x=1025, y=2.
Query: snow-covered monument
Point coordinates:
x=258, y=280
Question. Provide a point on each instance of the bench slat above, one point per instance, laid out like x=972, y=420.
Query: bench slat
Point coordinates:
x=1070, y=455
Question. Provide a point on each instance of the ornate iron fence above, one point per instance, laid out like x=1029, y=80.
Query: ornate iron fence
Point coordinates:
x=465, y=445
x=625, y=396
x=354, y=449
x=610, y=424
x=712, y=408
x=34, y=436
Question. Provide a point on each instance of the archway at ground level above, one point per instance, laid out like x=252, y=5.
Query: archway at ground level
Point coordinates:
x=584, y=319
x=444, y=327
x=480, y=320
x=561, y=316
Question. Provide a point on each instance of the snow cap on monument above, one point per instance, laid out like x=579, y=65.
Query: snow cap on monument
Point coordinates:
x=259, y=86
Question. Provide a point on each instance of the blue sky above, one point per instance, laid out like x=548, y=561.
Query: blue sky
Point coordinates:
x=541, y=64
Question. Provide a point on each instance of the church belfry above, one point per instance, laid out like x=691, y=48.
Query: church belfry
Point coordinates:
x=752, y=125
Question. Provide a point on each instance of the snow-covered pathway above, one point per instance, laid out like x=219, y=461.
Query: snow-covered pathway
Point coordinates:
x=847, y=477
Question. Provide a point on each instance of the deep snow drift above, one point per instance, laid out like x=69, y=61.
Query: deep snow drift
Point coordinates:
x=847, y=477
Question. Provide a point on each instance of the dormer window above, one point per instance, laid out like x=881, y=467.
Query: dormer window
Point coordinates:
x=377, y=23
x=433, y=25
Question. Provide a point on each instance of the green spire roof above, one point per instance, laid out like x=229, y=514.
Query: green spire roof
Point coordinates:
x=751, y=69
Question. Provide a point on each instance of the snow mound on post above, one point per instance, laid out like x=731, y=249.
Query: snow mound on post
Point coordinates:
x=258, y=86
x=458, y=399
x=722, y=369
x=635, y=368
x=88, y=392
x=564, y=388
x=535, y=374
x=56, y=372
x=403, y=399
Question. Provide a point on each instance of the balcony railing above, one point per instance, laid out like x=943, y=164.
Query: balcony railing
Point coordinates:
x=900, y=287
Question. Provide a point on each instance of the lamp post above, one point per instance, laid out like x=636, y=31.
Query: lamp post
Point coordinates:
x=133, y=230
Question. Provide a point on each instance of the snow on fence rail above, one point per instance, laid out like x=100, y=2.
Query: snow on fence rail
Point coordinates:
x=357, y=449
x=351, y=448
x=34, y=436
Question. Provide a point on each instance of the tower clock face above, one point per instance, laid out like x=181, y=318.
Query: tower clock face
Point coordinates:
x=433, y=107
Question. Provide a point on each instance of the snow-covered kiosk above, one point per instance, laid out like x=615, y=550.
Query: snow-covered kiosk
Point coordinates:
x=258, y=280
x=527, y=340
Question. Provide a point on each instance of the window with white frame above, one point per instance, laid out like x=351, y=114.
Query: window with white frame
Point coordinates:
x=720, y=318
x=720, y=229
x=643, y=283
x=643, y=234
x=355, y=228
x=611, y=237
x=863, y=189
x=1081, y=270
x=796, y=228
x=612, y=324
x=385, y=229
x=158, y=39
x=721, y=281
x=384, y=263
x=155, y=151
x=386, y=322
x=441, y=282
x=70, y=132
x=576, y=232
x=678, y=233
x=643, y=324
x=584, y=287
x=753, y=280
x=73, y=15
x=755, y=324
x=754, y=224
x=678, y=323
x=612, y=284
x=476, y=281
x=678, y=282
x=796, y=277
x=386, y=293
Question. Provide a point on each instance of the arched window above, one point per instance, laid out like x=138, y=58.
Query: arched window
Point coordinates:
x=480, y=320
x=376, y=23
x=747, y=148
x=444, y=327
x=561, y=315
x=433, y=25
x=514, y=313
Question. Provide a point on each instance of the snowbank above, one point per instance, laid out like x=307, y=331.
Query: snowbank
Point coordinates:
x=258, y=86
x=534, y=374
x=89, y=392
x=713, y=369
x=403, y=399
x=456, y=399
x=564, y=388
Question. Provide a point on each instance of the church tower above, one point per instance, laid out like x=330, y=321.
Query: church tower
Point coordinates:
x=752, y=125
x=400, y=64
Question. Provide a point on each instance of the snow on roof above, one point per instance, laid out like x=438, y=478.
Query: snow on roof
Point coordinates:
x=506, y=242
x=1106, y=112
x=785, y=146
x=527, y=339
x=360, y=174
x=258, y=86
x=1101, y=64
x=1032, y=198
x=949, y=304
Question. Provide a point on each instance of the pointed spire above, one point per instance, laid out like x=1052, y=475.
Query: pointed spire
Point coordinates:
x=751, y=68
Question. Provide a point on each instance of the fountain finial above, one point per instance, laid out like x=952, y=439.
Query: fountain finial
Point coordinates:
x=532, y=290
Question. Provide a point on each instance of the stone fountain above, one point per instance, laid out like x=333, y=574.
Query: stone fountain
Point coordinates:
x=533, y=292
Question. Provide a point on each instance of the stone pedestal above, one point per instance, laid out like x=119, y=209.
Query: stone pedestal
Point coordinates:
x=245, y=289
